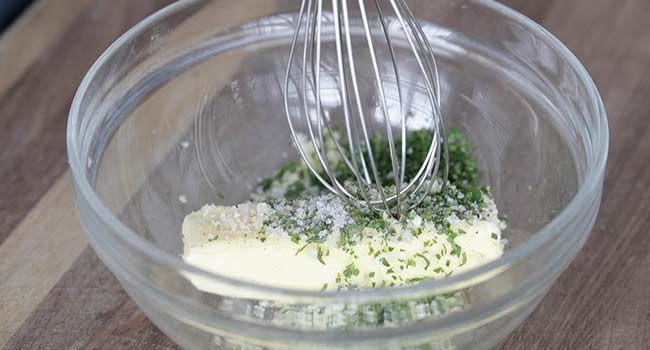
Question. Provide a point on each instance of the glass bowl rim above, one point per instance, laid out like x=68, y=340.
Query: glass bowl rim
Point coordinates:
x=539, y=238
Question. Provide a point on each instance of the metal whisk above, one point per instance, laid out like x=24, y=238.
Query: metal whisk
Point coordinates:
x=374, y=22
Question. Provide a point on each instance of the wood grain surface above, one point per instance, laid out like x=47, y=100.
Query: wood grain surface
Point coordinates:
x=60, y=296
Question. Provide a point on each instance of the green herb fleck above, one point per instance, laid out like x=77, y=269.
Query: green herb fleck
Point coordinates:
x=319, y=255
x=428, y=263
x=350, y=271
x=415, y=280
x=301, y=248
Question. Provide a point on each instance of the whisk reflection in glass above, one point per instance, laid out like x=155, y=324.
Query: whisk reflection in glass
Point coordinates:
x=373, y=24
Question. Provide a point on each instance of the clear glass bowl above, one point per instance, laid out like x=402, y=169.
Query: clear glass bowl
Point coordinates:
x=185, y=109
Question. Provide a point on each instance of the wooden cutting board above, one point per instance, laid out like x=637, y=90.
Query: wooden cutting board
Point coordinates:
x=56, y=294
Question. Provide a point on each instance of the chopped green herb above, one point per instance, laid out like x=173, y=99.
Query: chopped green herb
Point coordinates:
x=350, y=271
x=428, y=263
x=460, y=198
x=301, y=249
x=295, y=190
x=415, y=279
x=266, y=184
x=319, y=255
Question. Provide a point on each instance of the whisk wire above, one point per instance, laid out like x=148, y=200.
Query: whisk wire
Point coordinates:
x=350, y=125
x=399, y=179
x=427, y=66
x=360, y=157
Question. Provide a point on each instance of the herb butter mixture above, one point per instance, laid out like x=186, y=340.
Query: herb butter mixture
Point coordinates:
x=294, y=233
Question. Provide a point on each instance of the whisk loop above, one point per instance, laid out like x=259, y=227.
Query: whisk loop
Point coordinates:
x=314, y=26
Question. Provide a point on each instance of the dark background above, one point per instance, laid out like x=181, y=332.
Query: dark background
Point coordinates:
x=10, y=10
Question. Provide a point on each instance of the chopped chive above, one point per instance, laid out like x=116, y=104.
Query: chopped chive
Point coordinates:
x=415, y=279
x=428, y=263
x=301, y=248
x=319, y=255
x=350, y=271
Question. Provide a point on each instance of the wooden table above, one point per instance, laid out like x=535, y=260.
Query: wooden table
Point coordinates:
x=56, y=294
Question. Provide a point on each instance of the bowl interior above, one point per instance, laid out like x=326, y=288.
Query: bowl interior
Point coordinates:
x=195, y=116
